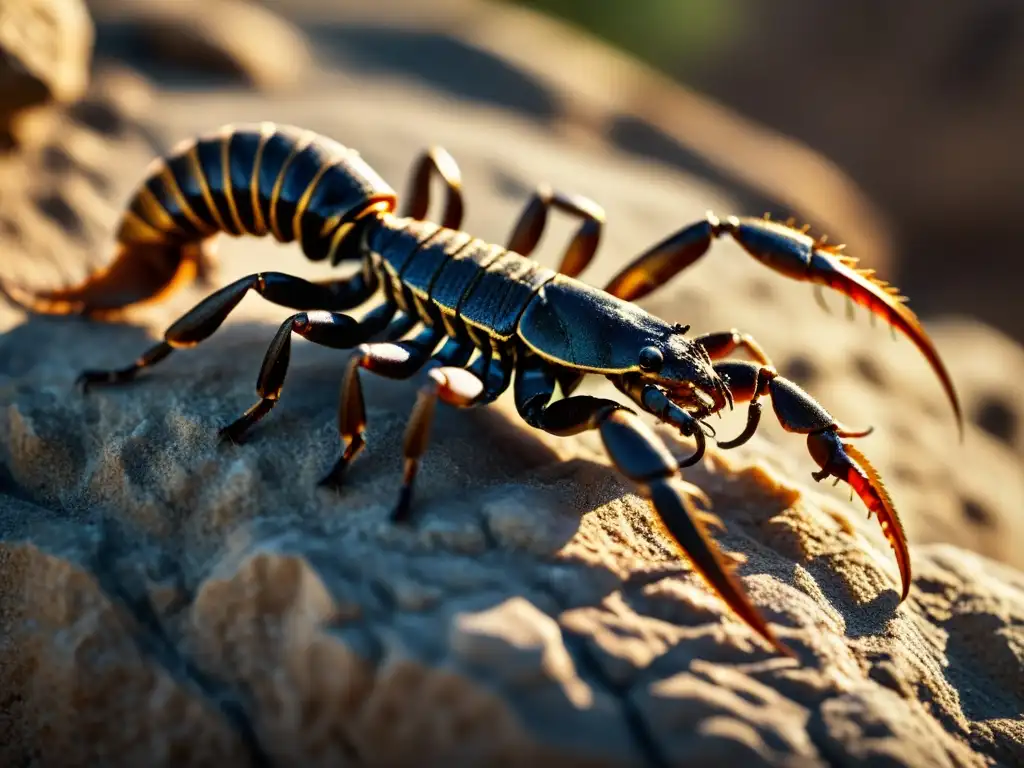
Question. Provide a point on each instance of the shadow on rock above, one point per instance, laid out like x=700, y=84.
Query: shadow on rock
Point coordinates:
x=445, y=63
x=227, y=564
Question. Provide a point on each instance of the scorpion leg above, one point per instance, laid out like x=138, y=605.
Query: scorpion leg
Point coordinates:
x=201, y=321
x=642, y=458
x=400, y=326
x=435, y=160
x=794, y=254
x=452, y=385
x=798, y=412
x=447, y=379
x=329, y=329
x=581, y=249
x=394, y=360
x=494, y=367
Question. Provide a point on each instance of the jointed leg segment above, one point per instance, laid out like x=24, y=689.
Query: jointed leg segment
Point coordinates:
x=449, y=383
x=329, y=329
x=394, y=360
x=792, y=253
x=640, y=456
x=454, y=386
x=435, y=161
x=529, y=229
x=206, y=317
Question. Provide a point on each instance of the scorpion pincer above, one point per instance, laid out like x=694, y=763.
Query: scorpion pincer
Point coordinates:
x=468, y=317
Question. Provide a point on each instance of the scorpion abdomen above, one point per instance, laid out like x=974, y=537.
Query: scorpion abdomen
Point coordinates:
x=256, y=179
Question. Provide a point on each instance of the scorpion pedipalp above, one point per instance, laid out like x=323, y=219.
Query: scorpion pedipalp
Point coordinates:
x=798, y=412
x=797, y=255
x=641, y=457
x=790, y=252
x=885, y=301
x=844, y=462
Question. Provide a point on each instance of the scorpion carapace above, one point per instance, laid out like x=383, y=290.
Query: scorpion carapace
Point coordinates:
x=468, y=316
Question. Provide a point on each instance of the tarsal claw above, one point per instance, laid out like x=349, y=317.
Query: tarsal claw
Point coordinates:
x=844, y=462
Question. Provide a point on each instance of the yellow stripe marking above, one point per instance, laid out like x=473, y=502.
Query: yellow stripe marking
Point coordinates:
x=300, y=208
x=300, y=144
x=154, y=212
x=193, y=156
x=225, y=169
x=340, y=235
x=135, y=229
x=259, y=222
x=331, y=223
x=179, y=197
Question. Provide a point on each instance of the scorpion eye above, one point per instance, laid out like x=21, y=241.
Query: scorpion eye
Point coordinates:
x=651, y=359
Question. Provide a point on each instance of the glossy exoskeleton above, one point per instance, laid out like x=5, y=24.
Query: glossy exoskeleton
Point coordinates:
x=469, y=317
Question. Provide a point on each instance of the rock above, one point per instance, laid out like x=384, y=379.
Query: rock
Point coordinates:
x=955, y=73
x=235, y=38
x=59, y=200
x=165, y=599
x=45, y=50
x=186, y=622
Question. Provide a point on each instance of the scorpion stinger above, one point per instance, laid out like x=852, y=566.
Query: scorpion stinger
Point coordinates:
x=465, y=316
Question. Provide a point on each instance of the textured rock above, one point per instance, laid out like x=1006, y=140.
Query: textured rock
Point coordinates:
x=165, y=600
x=45, y=47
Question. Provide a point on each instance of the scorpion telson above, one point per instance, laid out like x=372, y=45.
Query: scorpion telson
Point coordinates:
x=469, y=317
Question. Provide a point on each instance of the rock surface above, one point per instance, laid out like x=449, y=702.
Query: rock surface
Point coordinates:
x=233, y=39
x=165, y=600
x=45, y=47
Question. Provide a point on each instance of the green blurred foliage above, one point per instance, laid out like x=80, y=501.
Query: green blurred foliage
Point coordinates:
x=674, y=36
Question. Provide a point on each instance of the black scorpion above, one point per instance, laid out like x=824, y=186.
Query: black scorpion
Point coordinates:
x=495, y=314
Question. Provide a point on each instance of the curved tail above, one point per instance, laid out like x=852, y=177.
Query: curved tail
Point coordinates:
x=139, y=274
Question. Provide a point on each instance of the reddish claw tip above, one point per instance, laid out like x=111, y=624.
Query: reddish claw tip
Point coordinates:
x=844, y=462
x=861, y=286
x=685, y=528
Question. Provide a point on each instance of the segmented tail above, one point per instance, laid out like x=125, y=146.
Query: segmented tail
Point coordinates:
x=253, y=179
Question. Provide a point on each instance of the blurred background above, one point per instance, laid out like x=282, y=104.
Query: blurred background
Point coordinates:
x=892, y=127
x=919, y=104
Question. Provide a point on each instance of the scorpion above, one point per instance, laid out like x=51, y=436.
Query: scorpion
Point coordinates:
x=467, y=316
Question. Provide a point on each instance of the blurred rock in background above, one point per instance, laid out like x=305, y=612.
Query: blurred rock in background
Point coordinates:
x=919, y=102
x=45, y=48
x=237, y=40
